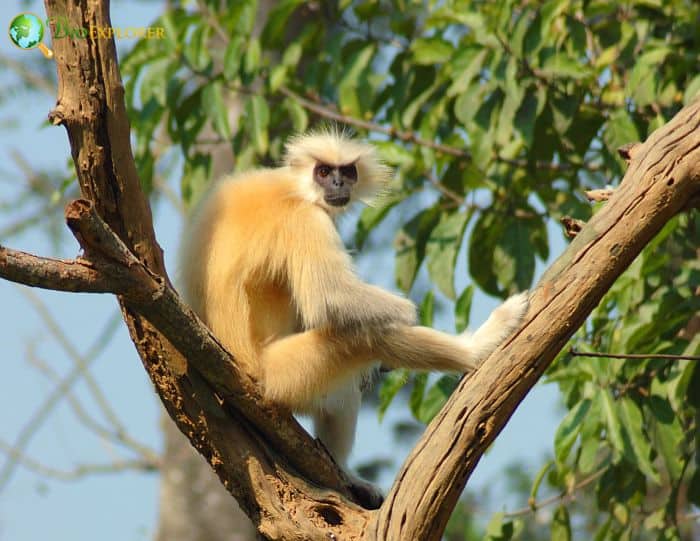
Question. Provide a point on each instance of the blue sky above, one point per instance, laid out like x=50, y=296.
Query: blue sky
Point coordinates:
x=123, y=506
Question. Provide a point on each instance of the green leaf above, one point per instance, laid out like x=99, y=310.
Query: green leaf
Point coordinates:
x=257, y=119
x=278, y=20
x=251, y=60
x=514, y=94
x=532, y=500
x=410, y=246
x=431, y=51
x=634, y=431
x=642, y=82
x=569, y=429
x=514, y=258
x=414, y=107
x=187, y=120
x=694, y=386
x=349, y=83
x=292, y=55
x=417, y=392
x=498, y=529
x=666, y=437
x=691, y=90
x=233, y=57
x=215, y=108
x=463, y=308
x=561, y=524
x=485, y=235
x=195, y=177
x=524, y=121
x=561, y=66
x=466, y=104
x=372, y=216
x=588, y=456
x=435, y=398
x=297, y=114
x=614, y=430
x=619, y=131
x=467, y=64
x=442, y=249
x=392, y=384
x=427, y=309
x=156, y=77
x=196, y=48
x=563, y=112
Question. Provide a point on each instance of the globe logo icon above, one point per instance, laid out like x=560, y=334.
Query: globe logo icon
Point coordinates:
x=26, y=32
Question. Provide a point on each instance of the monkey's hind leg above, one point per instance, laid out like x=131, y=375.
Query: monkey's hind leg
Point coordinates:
x=336, y=419
x=334, y=425
x=299, y=369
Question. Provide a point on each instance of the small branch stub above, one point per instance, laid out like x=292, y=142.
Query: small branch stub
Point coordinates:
x=599, y=195
x=628, y=151
x=572, y=226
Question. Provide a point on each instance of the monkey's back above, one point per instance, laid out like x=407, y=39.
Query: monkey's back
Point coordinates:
x=235, y=256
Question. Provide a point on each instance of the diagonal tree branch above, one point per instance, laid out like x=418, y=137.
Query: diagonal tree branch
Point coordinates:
x=664, y=174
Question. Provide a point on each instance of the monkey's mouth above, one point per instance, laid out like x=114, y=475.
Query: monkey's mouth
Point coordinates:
x=338, y=201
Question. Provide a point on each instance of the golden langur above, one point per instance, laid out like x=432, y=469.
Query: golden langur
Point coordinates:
x=264, y=267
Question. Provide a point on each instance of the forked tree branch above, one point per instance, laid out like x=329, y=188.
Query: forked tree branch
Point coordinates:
x=261, y=454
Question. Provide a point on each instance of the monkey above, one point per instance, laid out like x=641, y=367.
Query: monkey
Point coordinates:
x=264, y=266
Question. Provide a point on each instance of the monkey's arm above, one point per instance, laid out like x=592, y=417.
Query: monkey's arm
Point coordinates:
x=328, y=292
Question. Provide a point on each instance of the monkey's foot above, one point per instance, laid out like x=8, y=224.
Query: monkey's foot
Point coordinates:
x=366, y=494
x=511, y=312
x=500, y=324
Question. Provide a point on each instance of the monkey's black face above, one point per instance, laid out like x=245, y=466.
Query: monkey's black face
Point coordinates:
x=337, y=182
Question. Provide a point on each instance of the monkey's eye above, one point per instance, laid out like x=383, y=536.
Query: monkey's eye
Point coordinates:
x=323, y=171
x=349, y=171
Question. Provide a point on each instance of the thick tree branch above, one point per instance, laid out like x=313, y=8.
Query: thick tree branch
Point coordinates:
x=664, y=174
x=75, y=275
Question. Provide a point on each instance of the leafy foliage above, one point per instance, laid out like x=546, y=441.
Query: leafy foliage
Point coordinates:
x=502, y=113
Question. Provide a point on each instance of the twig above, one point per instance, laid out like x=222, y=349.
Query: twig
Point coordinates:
x=43, y=411
x=567, y=495
x=666, y=356
x=79, y=471
x=332, y=114
x=445, y=190
x=28, y=75
x=79, y=361
x=121, y=437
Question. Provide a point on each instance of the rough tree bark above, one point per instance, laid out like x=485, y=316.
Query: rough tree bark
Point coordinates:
x=260, y=454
